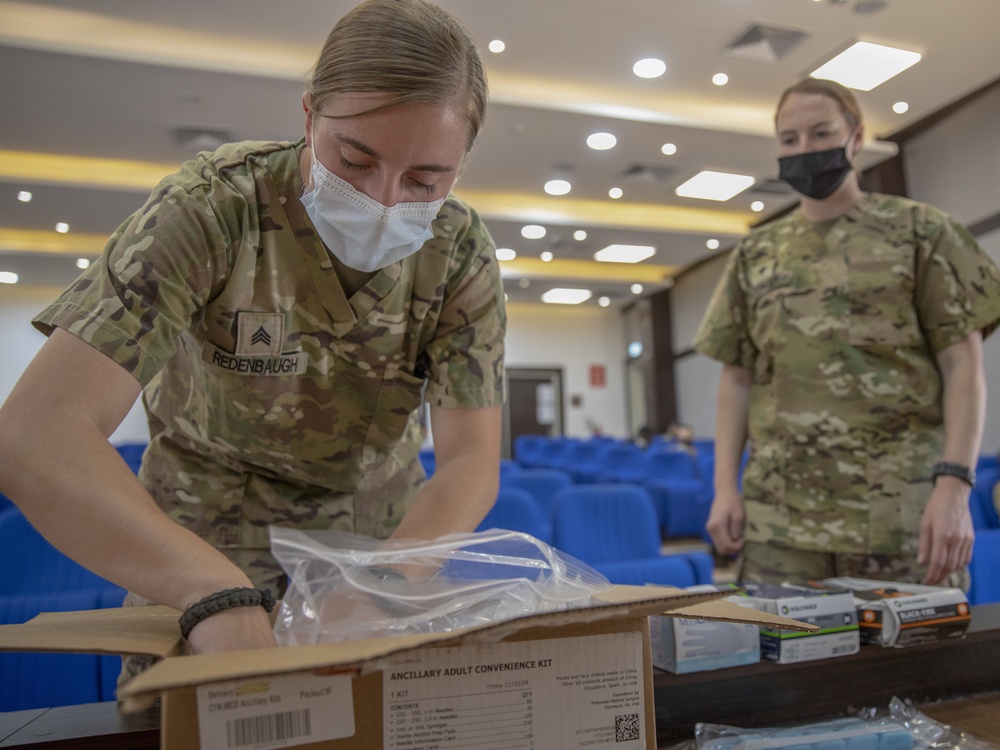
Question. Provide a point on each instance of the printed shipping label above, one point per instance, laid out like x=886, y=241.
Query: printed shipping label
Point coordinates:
x=585, y=692
x=275, y=712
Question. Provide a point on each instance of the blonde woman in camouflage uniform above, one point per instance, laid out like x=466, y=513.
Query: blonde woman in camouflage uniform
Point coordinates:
x=281, y=307
x=850, y=333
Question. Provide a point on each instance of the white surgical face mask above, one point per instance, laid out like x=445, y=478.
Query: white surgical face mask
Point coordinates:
x=358, y=230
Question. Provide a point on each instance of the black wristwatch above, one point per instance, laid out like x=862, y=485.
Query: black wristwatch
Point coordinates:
x=947, y=468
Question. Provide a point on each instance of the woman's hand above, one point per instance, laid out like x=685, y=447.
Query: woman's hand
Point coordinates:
x=233, y=630
x=946, y=533
x=725, y=522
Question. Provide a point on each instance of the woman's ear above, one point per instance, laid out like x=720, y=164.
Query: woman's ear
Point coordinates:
x=306, y=101
x=858, y=141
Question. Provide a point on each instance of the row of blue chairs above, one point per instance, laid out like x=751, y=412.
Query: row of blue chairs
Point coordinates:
x=34, y=578
x=611, y=527
x=984, y=569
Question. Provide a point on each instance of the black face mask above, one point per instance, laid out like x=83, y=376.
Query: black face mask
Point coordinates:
x=816, y=174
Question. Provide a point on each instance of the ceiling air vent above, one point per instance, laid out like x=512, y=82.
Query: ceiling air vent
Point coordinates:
x=764, y=42
x=201, y=138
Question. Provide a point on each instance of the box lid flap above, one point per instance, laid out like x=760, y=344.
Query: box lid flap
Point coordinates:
x=131, y=630
x=726, y=611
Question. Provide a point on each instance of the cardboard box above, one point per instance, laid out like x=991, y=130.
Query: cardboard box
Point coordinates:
x=831, y=611
x=576, y=678
x=891, y=613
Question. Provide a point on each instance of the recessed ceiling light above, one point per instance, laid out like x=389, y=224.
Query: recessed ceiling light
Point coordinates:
x=8, y=277
x=650, y=67
x=720, y=79
x=546, y=256
x=24, y=196
x=497, y=46
x=636, y=289
x=864, y=65
x=601, y=141
x=757, y=206
x=82, y=263
x=505, y=253
x=669, y=149
x=714, y=186
x=566, y=296
x=616, y=193
x=712, y=244
x=624, y=253
x=524, y=283
x=579, y=235
x=635, y=349
x=557, y=187
x=62, y=227
x=533, y=232
x=900, y=108
x=604, y=301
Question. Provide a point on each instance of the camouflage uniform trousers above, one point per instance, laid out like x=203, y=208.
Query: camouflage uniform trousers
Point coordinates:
x=768, y=563
x=266, y=573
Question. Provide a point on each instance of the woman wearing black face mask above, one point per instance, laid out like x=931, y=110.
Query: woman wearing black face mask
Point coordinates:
x=850, y=333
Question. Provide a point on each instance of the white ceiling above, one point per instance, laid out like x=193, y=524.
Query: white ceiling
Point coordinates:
x=115, y=79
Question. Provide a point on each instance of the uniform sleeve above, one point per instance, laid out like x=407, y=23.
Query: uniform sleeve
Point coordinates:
x=958, y=284
x=466, y=354
x=723, y=334
x=157, y=269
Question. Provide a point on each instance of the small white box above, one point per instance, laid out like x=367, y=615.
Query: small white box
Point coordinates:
x=681, y=645
x=833, y=612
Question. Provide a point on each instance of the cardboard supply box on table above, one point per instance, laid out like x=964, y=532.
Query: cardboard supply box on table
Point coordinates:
x=568, y=679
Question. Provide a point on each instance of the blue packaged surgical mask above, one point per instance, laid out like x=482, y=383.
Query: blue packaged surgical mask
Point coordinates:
x=359, y=231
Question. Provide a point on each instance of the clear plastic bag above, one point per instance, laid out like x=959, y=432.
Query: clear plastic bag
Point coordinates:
x=343, y=586
x=900, y=727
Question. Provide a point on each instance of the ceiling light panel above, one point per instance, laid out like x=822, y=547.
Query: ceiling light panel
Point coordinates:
x=865, y=65
x=715, y=186
x=624, y=253
x=561, y=296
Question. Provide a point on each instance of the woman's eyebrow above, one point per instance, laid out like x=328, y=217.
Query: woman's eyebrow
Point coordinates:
x=369, y=151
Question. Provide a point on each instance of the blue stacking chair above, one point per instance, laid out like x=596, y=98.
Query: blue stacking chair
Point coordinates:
x=681, y=498
x=428, y=461
x=555, y=453
x=543, y=485
x=35, y=577
x=585, y=460
x=624, y=463
x=984, y=570
x=517, y=510
x=132, y=454
x=984, y=512
x=5, y=503
x=988, y=462
x=526, y=448
x=614, y=529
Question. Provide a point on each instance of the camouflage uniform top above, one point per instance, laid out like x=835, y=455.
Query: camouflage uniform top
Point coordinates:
x=263, y=383
x=840, y=333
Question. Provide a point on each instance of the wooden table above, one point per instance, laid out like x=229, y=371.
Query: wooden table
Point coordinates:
x=770, y=694
x=955, y=682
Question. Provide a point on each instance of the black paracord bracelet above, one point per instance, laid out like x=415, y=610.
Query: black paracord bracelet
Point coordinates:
x=222, y=600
